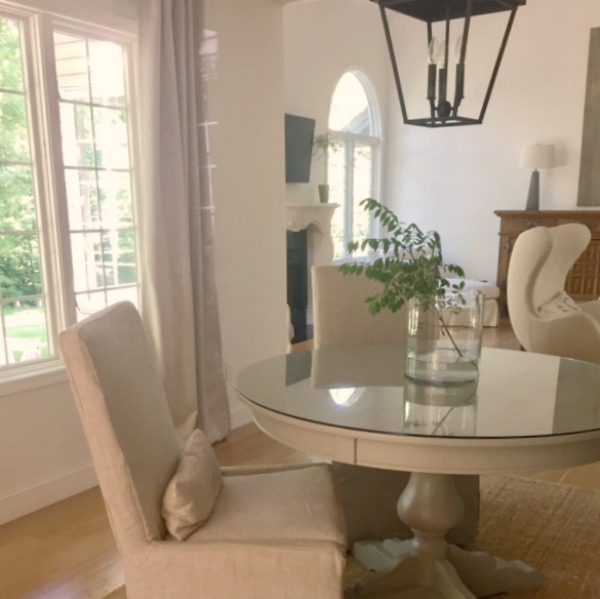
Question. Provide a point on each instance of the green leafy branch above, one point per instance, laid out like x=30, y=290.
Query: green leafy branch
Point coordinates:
x=322, y=143
x=410, y=264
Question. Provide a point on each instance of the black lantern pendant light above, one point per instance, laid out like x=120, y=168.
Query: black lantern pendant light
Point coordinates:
x=443, y=112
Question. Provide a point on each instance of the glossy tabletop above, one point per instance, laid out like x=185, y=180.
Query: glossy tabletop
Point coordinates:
x=539, y=411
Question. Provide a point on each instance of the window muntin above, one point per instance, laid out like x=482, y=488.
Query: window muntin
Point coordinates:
x=362, y=183
x=94, y=121
x=352, y=162
x=52, y=275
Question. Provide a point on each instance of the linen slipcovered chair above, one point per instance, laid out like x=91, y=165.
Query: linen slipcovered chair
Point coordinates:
x=267, y=532
x=370, y=495
x=545, y=319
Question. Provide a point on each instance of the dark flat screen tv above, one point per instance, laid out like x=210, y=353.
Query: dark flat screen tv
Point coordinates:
x=299, y=136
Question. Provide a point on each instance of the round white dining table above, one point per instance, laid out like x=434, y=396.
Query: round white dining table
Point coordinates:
x=354, y=405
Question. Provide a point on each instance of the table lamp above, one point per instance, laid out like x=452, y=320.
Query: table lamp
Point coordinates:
x=536, y=156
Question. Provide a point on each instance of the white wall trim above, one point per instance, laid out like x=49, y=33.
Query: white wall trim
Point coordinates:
x=32, y=377
x=46, y=492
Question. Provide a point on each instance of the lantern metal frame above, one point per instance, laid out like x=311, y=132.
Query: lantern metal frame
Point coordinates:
x=445, y=114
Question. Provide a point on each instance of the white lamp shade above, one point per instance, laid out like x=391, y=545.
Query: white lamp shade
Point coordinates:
x=537, y=156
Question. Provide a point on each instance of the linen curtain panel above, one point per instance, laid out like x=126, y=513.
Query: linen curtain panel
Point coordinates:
x=179, y=298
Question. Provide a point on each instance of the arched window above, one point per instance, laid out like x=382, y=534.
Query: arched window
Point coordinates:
x=353, y=160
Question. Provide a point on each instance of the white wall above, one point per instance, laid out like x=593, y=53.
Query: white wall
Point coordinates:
x=43, y=453
x=453, y=179
x=246, y=100
x=322, y=40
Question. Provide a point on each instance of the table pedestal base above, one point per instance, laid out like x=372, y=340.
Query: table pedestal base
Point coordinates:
x=395, y=567
x=426, y=566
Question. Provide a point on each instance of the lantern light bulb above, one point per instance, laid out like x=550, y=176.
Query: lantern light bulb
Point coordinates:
x=441, y=55
x=433, y=51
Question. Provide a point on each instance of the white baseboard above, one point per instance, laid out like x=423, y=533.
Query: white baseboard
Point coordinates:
x=240, y=415
x=46, y=492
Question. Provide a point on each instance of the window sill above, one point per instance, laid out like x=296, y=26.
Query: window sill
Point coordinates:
x=33, y=377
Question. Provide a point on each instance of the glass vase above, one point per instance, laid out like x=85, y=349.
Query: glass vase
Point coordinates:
x=425, y=413
x=444, y=346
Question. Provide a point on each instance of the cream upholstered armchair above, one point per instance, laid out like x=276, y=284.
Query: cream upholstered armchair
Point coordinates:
x=185, y=528
x=370, y=495
x=544, y=317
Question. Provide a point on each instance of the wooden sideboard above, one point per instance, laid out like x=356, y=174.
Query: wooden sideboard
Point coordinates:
x=583, y=281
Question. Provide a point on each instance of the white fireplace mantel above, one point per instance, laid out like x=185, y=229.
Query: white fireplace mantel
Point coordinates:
x=316, y=219
x=301, y=216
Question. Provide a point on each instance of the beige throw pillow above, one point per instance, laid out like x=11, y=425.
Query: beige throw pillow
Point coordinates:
x=192, y=492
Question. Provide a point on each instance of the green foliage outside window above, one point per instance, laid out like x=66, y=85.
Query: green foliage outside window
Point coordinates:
x=19, y=247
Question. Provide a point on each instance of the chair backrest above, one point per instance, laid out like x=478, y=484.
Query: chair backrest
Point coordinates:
x=540, y=261
x=126, y=419
x=568, y=242
x=528, y=255
x=341, y=315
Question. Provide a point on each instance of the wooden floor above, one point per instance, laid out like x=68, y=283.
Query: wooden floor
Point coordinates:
x=66, y=551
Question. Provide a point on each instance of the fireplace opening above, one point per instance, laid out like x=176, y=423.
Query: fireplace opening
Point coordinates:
x=309, y=242
x=297, y=282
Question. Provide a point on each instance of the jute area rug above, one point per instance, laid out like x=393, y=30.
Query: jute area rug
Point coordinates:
x=553, y=528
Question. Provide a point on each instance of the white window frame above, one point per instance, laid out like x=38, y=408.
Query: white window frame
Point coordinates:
x=349, y=140
x=49, y=180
